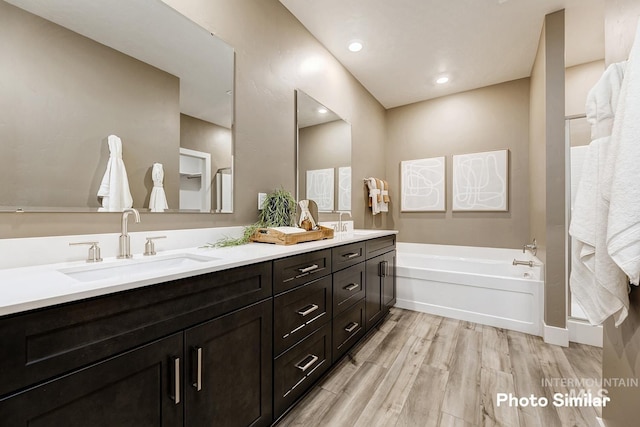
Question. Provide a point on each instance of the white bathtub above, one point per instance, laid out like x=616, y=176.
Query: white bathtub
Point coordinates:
x=479, y=285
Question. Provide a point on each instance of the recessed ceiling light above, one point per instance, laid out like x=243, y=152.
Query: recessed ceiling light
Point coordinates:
x=323, y=110
x=442, y=80
x=355, y=46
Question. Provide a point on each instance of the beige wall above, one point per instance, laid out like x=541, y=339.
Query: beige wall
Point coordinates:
x=327, y=145
x=58, y=106
x=273, y=51
x=547, y=165
x=490, y=118
x=621, y=347
x=578, y=82
x=538, y=151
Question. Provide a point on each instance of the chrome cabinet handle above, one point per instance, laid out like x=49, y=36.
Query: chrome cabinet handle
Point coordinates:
x=351, y=287
x=175, y=377
x=197, y=356
x=351, y=255
x=307, y=310
x=310, y=360
x=351, y=327
x=308, y=269
x=383, y=268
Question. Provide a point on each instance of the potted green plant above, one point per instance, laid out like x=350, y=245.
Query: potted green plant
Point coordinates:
x=278, y=210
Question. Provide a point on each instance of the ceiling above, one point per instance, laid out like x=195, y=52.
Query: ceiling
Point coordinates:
x=408, y=44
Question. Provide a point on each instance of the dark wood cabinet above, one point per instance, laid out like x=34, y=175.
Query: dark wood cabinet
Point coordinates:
x=136, y=389
x=228, y=375
x=380, y=287
x=236, y=347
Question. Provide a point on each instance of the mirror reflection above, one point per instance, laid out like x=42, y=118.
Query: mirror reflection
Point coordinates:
x=324, y=156
x=73, y=72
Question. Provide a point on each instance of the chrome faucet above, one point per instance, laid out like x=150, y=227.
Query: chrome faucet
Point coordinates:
x=342, y=227
x=533, y=247
x=125, y=241
x=518, y=262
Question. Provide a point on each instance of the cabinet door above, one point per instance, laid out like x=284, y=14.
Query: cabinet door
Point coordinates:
x=389, y=280
x=373, y=294
x=137, y=388
x=229, y=374
x=381, y=287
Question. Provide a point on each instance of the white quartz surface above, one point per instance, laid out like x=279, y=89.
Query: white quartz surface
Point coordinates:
x=31, y=287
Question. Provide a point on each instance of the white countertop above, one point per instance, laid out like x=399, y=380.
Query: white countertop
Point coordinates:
x=28, y=288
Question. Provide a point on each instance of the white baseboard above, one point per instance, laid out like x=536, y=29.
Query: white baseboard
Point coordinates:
x=555, y=335
x=584, y=333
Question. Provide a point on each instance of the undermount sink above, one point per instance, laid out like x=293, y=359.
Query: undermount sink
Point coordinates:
x=133, y=267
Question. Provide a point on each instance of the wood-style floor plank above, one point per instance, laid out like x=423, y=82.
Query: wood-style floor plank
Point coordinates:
x=461, y=396
x=418, y=369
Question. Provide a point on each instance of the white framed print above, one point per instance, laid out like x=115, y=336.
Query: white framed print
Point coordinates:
x=481, y=181
x=320, y=188
x=422, y=185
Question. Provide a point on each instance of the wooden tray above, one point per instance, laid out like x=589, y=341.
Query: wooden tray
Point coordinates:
x=269, y=235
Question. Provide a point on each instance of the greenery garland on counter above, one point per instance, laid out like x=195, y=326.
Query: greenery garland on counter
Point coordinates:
x=278, y=210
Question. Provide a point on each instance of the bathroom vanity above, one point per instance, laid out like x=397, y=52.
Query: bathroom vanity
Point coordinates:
x=231, y=342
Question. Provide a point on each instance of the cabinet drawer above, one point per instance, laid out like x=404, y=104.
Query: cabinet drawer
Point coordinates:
x=300, y=311
x=297, y=369
x=42, y=344
x=298, y=269
x=380, y=245
x=348, y=287
x=348, y=327
x=347, y=255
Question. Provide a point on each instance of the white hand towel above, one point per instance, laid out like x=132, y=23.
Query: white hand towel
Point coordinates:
x=158, y=198
x=374, y=193
x=623, y=232
x=384, y=192
x=114, y=188
x=597, y=284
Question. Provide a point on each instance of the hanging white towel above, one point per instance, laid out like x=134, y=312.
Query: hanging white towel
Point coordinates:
x=622, y=187
x=384, y=193
x=114, y=188
x=374, y=194
x=158, y=198
x=597, y=283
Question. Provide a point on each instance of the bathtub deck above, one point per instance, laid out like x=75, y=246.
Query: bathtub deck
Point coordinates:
x=423, y=370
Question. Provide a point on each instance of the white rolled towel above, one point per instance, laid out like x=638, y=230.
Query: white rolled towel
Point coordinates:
x=114, y=188
x=158, y=198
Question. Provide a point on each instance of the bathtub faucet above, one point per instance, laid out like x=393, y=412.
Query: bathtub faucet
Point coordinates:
x=518, y=262
x=533, y=247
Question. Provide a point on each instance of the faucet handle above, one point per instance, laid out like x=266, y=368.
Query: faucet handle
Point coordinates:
x=94, y=250
x=149, y=247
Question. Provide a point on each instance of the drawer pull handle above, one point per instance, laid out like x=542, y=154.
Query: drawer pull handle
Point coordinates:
x=351, y=287
x=308, y=362
x=308, y=269
x=307, y=310
x=175, y=379
x=351, y=327
x=351, y=255
x=197, y=353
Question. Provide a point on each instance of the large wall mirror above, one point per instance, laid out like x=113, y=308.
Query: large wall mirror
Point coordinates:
x=73, y=72
x=324, y=156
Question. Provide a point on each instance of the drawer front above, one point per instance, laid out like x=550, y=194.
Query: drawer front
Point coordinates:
x=347, y=255
x=299, y=269
x=297, y=369
x=300, y=311
x=42, y=344
x=380, y=245
x=348, y=287
x=348, y=327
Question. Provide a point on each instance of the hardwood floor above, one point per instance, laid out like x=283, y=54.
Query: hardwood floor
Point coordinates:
x=424, y=370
